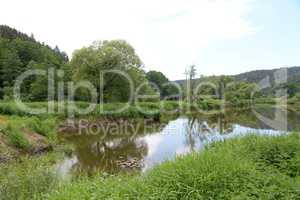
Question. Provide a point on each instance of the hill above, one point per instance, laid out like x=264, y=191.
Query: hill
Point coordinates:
x=10, y=33
x=20, y=52
x=293, y=76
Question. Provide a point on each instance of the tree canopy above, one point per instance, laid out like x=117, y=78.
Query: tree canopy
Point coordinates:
x=119, y=64
x=161, y=82
x=18, y=53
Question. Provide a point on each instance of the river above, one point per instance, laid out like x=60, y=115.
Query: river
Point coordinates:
x=151, y=145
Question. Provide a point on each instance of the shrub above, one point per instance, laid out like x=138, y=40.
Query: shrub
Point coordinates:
x=28, y=178
x=15, y=138
x=45, y=127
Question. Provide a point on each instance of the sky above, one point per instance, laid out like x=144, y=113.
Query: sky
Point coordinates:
x=218, y=36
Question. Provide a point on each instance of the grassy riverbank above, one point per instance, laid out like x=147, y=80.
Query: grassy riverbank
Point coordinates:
x=252, y=167
x=112, y=110
x=248, y=168
x=26, y=135
x=29, y=177
x=21, y=131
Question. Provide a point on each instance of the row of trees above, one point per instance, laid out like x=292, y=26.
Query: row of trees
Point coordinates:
x=216, y=87
x=20, y=52
x=122, y=67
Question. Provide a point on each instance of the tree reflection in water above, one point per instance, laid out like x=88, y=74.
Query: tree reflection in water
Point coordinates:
x=110, y=153
x=123, y=152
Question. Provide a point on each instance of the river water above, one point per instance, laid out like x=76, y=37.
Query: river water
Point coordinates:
x=123, y=152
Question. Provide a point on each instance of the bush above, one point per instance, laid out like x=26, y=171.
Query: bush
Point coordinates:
x=210, y=104
x=28, y=178
x=279, y=153
x=45, y=127
x=15, y=138
x=266, y=100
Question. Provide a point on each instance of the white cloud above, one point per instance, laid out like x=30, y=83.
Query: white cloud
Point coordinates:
x=167, y=34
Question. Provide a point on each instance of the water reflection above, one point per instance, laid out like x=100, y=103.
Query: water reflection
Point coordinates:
x=177, y=137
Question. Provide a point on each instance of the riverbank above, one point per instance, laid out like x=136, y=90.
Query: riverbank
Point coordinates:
x=26, y=136
x=110, y=110
x=23, y=133
x=251, y=167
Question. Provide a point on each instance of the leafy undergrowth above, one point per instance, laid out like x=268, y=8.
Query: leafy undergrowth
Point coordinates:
x=28, y=178
x=254, y=167
x=111, y=110
x=19, y=135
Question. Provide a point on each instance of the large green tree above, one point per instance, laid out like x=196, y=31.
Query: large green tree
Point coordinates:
x=161, y=82
x=104, y=56
x=239, y=92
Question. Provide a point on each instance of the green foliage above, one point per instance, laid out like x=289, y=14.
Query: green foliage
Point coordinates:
x=118, y=55
x=45, y=127
x=295, y=99
x=15, y=127
x=281, y=153
x=291, y=88
x=254, y=167
x=222, y=85
x=16, y=138
x=28, y=178
x=161, y=81
x=109, y=110
x=239, y=93
x=18, y=53
x=11, y=33
x=10, y=108
x=209, y=104
x=266, y=100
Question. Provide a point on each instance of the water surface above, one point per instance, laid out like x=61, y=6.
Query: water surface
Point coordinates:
x=149, y=146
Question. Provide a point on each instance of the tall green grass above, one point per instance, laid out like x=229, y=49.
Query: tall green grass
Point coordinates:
x=45, y=127
x=266, y=100
x=15, y=126
x=28, y=178
x=15, y=138
x=139, y=110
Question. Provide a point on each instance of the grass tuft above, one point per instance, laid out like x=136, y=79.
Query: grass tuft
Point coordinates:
x=15, y=137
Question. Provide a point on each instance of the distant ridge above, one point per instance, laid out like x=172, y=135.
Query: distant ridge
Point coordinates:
x=293, y=75
x=10, y=33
